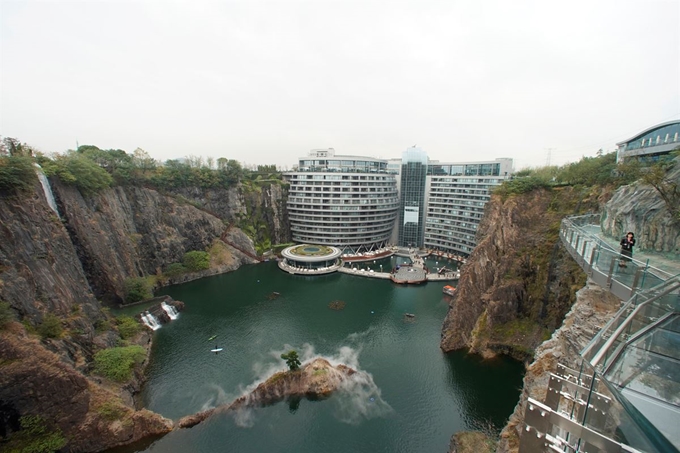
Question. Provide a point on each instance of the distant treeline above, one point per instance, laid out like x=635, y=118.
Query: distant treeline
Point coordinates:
x=92, y=169
x=601, y=170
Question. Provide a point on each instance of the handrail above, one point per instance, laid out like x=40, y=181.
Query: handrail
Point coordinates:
x=650, y=295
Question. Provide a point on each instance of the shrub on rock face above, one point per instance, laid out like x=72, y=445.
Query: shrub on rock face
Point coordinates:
x=117, y=363
x=128, y=327
x=17, y=174
x=196, y=260
x=174, y=270
x=50, y=327
x=35, y=437
x=137, y=289
x=6, y=314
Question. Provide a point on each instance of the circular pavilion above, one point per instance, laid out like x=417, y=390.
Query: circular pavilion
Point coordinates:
x=310, y=259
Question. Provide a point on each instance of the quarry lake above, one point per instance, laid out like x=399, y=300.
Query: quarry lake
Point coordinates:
x=417, y=397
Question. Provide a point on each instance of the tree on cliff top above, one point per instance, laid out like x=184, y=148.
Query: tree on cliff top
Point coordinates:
x=292, y=360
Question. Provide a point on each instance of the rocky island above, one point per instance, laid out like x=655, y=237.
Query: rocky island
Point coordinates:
x=315, y=379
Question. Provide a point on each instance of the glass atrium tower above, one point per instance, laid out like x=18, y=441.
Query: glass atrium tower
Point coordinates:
x=412, y=206
x=349, y=202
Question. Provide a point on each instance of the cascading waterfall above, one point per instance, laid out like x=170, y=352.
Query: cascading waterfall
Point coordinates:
x=47, y=189
x=150, y=321
x=170, y=310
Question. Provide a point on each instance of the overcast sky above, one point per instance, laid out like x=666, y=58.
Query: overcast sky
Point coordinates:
x=265, y=82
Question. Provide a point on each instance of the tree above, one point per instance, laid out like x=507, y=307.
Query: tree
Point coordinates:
x=292, y=360
x=137, y=289
x=17, y=174
x=196, y=260
x=13, y=147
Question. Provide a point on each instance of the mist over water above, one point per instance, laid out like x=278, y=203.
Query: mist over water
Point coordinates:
x=407, y=396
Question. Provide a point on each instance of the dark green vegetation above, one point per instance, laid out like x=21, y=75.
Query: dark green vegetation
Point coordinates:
x=117, y=364
x=33, y=437
x=292, y=360
x=128, y=327
x=6, y=314
x=196, y=260
x=138, y=288
x=92, y=169
x=50, y=327
x=601, y=170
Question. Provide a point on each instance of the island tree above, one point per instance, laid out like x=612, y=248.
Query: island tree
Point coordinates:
x=292, y=360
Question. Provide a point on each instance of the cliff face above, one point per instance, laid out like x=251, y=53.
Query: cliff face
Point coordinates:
x=259, y=205
x=639, y=208
x=128, y=232
x=518, y=282
x=39, y=268
x=54, y=271
x=34, y=380
x=594, y=306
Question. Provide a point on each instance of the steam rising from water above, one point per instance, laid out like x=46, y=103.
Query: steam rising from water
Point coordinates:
x=357, y=399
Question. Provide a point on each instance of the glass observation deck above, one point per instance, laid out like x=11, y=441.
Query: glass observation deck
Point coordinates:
x=623, y=394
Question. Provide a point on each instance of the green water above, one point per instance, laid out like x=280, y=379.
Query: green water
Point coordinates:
x=413, y=398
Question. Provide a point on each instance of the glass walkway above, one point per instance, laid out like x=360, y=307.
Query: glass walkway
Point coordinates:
x=623, y=394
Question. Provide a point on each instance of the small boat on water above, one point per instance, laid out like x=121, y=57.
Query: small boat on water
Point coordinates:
x=216, y=349
x=449, y=290
x=212, y=338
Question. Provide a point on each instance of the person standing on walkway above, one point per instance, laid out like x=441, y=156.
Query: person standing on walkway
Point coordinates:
x=627, y=244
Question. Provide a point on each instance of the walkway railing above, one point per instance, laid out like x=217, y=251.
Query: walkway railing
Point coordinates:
x=601, y=261
x=623, y=394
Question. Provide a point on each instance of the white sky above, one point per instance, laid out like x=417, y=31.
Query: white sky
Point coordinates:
x=265, y=82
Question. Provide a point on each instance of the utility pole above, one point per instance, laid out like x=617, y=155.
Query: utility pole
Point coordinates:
x=547, y=161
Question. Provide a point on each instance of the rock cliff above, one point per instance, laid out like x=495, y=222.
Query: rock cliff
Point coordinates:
x=132, y=231
x=54, y=272
x=90, y=416
x=245, y=203
x=594, y=306
x=640, y=208
x=519, y=282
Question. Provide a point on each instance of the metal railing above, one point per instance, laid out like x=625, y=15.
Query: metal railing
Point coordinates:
x=622, y=391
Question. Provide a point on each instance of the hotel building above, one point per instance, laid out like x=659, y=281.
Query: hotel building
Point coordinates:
x=349, y=202
x=456, y=195
x=442, y=203
x=360, y=204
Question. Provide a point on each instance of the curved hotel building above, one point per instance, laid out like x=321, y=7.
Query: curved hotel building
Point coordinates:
x=349, y=202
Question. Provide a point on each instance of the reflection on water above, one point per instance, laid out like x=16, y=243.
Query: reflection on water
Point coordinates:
x=411, y=397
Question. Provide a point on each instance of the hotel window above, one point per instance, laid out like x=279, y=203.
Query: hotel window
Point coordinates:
x=665, y=140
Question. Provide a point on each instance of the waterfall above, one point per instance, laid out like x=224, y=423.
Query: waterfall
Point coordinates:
x=47, y=189
x=150, y=321
x=170, y=310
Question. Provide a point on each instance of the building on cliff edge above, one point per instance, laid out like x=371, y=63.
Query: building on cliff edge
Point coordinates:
x=651, y=143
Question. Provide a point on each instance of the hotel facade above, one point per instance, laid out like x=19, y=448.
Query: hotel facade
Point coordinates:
x=361, y=204
x=349, y=202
